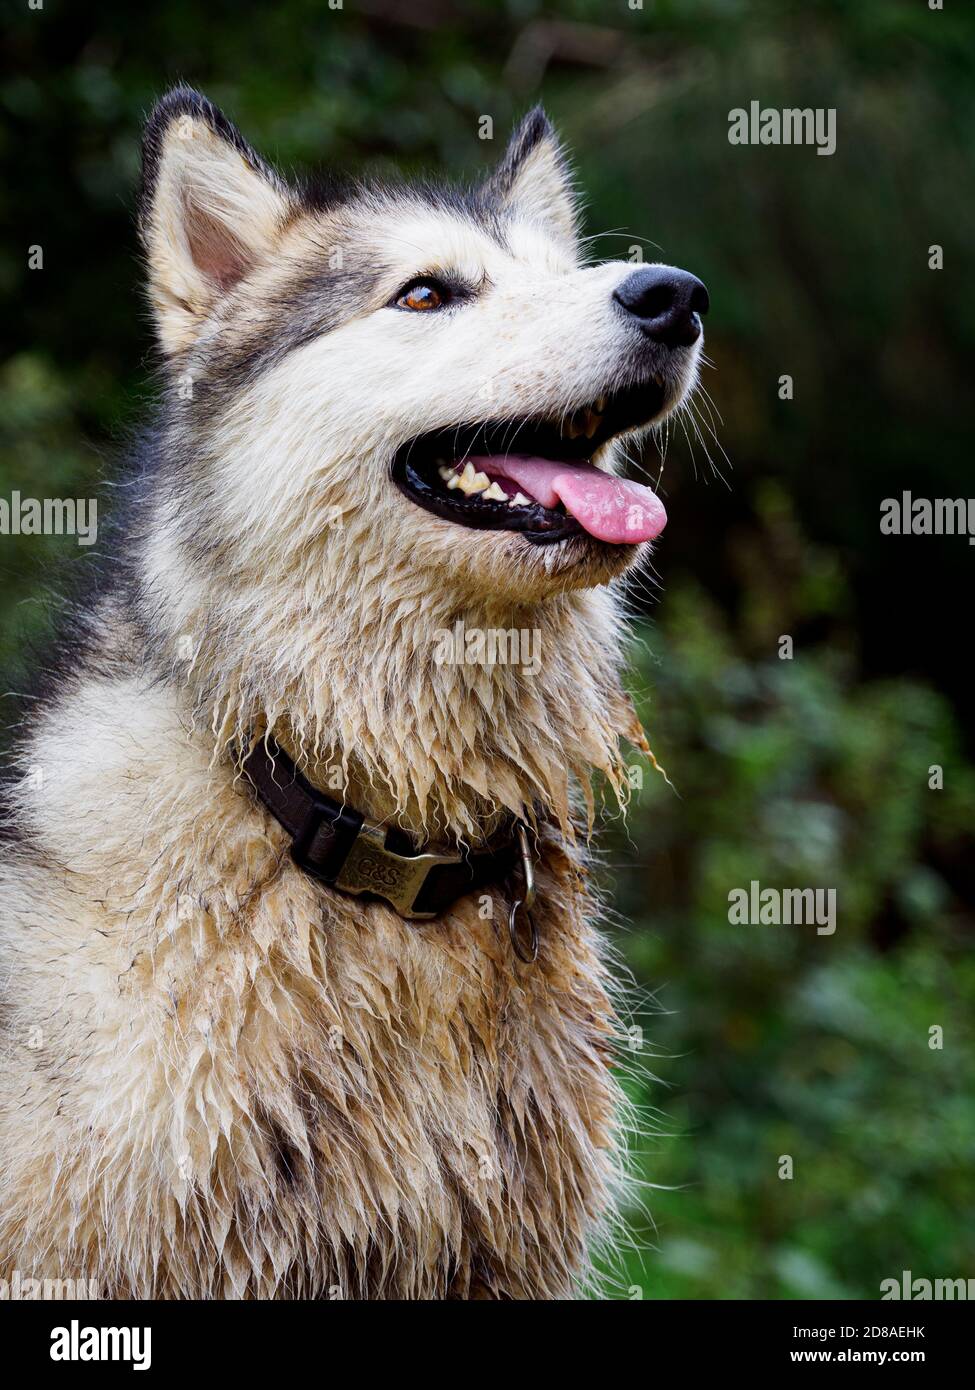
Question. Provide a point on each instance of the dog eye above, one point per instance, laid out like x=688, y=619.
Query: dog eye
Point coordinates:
x=422, y=295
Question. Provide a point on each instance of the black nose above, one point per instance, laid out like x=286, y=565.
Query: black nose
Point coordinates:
x=666, y=302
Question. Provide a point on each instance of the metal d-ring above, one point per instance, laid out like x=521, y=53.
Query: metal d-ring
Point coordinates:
x=527, y=954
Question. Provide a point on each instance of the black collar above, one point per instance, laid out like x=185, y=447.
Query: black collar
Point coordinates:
x=341, y=848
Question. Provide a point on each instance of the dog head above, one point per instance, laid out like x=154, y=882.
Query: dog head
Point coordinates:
x=421, y=372
x=391, y=410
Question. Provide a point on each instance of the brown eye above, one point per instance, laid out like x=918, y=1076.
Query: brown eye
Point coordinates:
x=421, y=296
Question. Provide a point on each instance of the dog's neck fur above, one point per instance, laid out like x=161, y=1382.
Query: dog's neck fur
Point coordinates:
x=445, y=749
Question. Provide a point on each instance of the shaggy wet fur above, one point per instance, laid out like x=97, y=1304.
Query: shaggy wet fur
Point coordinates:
x=220, y=1078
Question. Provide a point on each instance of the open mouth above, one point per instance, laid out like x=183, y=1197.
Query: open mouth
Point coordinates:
x=536, y=476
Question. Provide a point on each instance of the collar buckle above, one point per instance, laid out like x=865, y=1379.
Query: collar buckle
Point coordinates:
x=336, y=844
x=370, y=867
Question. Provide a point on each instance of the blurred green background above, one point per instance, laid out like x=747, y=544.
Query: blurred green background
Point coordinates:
x=764, y=1041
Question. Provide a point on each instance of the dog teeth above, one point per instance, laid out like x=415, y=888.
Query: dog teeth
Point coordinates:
x=591, y=425
x=585, y=421
x=471, y=482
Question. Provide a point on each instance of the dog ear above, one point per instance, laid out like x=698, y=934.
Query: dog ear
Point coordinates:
x=210, y=209
x=534, y=179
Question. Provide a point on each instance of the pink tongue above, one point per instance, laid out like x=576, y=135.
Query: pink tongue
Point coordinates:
x=611, y=509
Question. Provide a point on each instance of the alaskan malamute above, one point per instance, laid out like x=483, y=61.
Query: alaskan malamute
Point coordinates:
x=303, y=994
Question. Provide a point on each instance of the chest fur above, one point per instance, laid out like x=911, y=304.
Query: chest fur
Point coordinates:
x=293, y=1093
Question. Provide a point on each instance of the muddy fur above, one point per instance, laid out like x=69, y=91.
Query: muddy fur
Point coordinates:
x=220, y=1078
